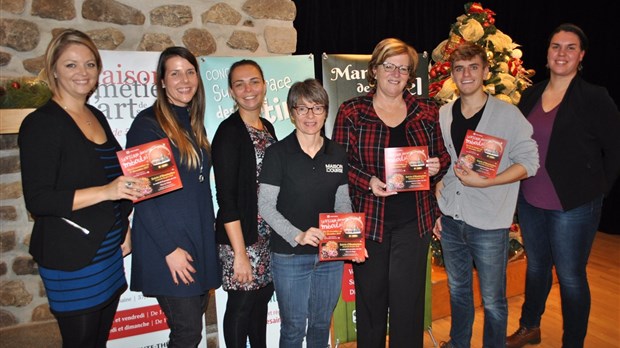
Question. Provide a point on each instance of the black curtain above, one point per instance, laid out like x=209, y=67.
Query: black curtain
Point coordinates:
x=356, y=26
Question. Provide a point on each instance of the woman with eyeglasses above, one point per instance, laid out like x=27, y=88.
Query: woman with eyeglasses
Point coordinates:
x=304, y=175
x=398, y=224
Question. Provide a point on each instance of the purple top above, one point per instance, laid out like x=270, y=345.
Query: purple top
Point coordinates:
x=539, y=190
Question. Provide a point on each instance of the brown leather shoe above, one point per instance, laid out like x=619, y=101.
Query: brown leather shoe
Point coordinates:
x=523, y=336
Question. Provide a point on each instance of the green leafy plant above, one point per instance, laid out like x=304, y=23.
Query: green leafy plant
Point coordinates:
x=23, y=93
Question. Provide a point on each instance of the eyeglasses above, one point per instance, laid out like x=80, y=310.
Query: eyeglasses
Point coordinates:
x=402, y=69
x=303, y=110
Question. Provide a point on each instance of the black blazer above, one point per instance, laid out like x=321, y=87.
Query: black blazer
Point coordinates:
x=234, y=165
x=56, y=160
x=583, y=159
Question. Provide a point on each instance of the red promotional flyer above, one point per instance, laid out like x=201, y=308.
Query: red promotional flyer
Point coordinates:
x=344, y=236
x=153, y=163
x=482, y=153
x=405, y=168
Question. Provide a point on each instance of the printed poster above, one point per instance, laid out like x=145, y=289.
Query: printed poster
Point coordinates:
x=344, y=236
x=405, y=168
x=126, y=87
x=280, y=73
x=481, y=153
x=154, y=165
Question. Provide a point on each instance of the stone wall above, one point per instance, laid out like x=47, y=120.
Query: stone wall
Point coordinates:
x=206, y=27
x=231, y=28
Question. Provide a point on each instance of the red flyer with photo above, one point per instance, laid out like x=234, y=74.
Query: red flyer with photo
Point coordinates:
x=344, y=236
x=405, y=168
x=154, y=164
x=482, y=153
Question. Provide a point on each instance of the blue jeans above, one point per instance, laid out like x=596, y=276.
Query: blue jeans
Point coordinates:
x=463, y=247
x=307, y=292
x=184, y=317
x=562, y=239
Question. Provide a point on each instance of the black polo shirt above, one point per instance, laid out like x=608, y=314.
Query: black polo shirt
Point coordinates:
x=307, y=185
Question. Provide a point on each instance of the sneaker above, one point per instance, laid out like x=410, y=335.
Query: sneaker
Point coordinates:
x=523, y=336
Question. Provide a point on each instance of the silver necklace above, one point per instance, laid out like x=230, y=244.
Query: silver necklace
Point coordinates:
x=201, y=177
x=88, y=122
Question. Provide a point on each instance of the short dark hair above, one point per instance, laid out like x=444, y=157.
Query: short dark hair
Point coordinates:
x=572, y=28
x=242, y=62
x=309, y=89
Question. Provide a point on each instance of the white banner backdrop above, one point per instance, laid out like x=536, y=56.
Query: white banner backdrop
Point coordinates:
x=280, y=73
x=126, y=87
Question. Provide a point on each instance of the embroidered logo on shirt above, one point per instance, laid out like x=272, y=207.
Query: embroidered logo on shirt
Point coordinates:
x=334, y=168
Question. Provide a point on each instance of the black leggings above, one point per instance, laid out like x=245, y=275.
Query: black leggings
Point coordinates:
x=89, y=329
x=246, y=316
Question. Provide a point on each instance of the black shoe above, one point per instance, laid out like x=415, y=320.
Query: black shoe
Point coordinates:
x=523, y=336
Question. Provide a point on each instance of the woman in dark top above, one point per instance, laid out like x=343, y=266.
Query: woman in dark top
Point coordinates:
x=303, y=176
x=576, y=127
x=76, y=194
x=243, y=236
x=174, y=257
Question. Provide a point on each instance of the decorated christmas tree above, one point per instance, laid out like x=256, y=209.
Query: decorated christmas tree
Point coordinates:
x=508, y=78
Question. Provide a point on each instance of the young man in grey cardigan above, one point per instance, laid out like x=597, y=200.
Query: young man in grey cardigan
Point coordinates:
x=478, y=210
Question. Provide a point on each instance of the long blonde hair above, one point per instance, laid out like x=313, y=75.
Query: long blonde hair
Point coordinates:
x=166, y=118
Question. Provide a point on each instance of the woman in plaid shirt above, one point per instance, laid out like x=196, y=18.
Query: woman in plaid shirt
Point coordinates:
x=397, y=239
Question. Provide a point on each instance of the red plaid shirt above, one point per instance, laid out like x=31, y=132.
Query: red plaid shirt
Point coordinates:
x=365, y=136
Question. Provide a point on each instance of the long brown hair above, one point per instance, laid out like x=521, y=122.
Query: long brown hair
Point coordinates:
x=165, y=115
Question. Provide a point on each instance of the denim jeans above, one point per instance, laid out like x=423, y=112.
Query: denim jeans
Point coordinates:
x=562, y=239
x=464, y=247
x=307, y=292
x=184, y=317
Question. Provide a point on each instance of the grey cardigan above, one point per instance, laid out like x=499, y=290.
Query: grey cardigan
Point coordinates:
x=491, y=207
